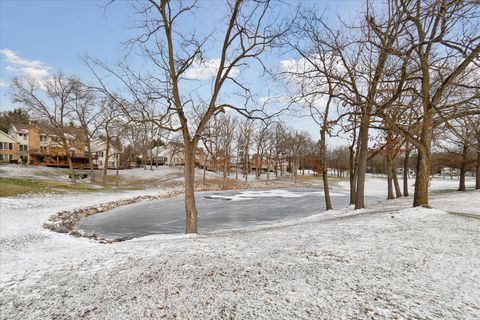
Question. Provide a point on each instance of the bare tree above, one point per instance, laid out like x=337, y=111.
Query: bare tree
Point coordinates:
x=110, y=125
x=174, y=52
x=442, y=38
x=318, y=74
x=260, y=139
x=227, y=129
x=244, y=145
x=49, y=102
x=85, y=111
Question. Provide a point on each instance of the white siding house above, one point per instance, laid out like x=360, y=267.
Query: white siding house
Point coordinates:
x=99, y=148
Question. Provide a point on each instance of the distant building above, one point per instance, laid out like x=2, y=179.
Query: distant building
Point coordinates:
x=9, y=148
x=19, y=132
x=39, y=145
x=99, y=152
x=172, y=154
x=448, y=171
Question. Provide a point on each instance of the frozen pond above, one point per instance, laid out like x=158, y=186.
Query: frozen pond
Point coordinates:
x=216, y=211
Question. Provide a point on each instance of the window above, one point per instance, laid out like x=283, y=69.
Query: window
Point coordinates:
x=24, y=135
x=1, y=145
x=1, y=157
x=43, y=138
x=100, y=154
x=23, y=147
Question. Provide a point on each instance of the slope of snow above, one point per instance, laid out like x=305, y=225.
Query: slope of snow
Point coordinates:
x=31, y=172
x=61, y=174
x=385, y=262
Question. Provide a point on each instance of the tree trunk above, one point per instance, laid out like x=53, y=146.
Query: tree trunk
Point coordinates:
x=151, y=160
x=389, y=178
x=269, y=161
x=90, y=160
x=406, y=169
x=72, y=170
x=295, y=167
x=246, y=167
x=276, y=167
x=117, y=168
x=323, y=159
x=362, y=161
x=225, y=169
x=352, y=177
x=477, y=173
x=204, y=170
x=236, y=166
x=463, y=168
x=105, y=165
x=420, y=197
x=326, y=190
x=398, y=192
x=190, y=206
x=260, y=167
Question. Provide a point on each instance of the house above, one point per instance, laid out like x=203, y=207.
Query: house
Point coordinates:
x=39, y=145
x=448, y=171
x=262, y=164
x=99, y=151
x=173, y=154
x=9, y=148
x=19, y=132
x=219, y=163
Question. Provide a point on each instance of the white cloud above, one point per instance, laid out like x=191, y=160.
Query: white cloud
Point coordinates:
x=3, y=84
x=34, y=69
x=13, y=58
x=35, y=73
x=206, y=70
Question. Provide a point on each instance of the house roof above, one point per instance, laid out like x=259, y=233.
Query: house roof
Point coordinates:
x=5, y=137
x=71, y=132
x=100, y=145
x=19, y=127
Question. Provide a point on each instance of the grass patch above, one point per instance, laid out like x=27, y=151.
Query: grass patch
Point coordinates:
x=450, y=190
x=332, y=180
x=12, y=186
x=15, y=186
x=466, y=215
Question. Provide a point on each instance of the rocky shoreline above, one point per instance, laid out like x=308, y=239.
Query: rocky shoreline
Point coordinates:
x=66, y=221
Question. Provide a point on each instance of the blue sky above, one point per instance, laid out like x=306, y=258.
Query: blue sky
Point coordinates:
x=41, y=37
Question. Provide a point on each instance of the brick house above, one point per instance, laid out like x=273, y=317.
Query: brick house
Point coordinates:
x=39, y=146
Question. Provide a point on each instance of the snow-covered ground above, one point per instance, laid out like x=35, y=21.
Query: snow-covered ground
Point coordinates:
x=385, y=262
x=38, y=172
x=33, y=172
x=377, y=186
